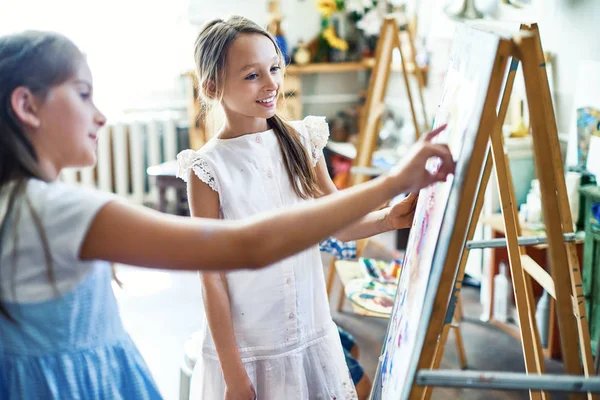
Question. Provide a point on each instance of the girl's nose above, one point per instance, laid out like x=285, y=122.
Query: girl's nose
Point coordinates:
x=99, y=118
x=272, y=82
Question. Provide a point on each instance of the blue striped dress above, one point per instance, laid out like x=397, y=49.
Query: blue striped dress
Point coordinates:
x=72, y=347
x=68, y=341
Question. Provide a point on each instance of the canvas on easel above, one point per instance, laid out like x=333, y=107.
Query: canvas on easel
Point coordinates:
x=434, y=264
x=443, y=209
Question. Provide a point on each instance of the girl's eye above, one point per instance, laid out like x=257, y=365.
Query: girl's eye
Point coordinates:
x=275, y=68
x=85, y=95
x=251, y=77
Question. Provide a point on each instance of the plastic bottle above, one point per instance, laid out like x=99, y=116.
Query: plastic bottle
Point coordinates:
x=542, y=316
x=501, y=293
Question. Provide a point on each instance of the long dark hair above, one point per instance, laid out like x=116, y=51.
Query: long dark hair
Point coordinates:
x=210, y=54
x=37, y=61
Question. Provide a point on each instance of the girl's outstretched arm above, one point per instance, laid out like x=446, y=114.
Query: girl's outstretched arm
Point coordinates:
x=138, y=236
x=397, y=217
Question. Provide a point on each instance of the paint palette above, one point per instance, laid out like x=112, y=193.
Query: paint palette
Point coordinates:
x=372, y=295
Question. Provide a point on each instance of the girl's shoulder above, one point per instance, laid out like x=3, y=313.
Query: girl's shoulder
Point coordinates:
x=315, y=130
x=189, y=159
x=313, y=127
x=58, y=194
x=56, y=216
x=198, y=161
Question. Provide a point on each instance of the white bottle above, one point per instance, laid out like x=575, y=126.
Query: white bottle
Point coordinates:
x=501, y=293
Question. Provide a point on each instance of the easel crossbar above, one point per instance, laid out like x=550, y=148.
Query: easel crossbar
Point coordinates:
x=523, y=241
x=508, y=381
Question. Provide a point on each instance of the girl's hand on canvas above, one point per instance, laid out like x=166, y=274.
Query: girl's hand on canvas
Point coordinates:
x=240, y=390
x=412, y=173
x=401, y=214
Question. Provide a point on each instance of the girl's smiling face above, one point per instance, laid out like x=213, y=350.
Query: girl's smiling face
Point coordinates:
x=252, y=78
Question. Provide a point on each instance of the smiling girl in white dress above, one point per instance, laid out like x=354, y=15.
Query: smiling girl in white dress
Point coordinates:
x=269, y=333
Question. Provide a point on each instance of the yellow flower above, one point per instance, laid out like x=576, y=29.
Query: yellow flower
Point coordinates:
x=326, y=7
x=334, y=41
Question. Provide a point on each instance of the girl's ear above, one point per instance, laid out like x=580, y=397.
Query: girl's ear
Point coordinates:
x=209, y=89
x=25, y=106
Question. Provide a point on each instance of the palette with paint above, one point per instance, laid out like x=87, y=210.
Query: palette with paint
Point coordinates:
x=372, y=295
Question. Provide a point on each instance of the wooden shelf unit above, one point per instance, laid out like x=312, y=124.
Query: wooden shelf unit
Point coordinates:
x=317, y=68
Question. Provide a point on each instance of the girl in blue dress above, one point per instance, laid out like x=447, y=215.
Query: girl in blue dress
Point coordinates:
x=61, y=336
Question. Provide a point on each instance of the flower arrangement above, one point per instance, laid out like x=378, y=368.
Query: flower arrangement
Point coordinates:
x=328, y=7
x=335, y=42
x=365, y=15
x=328, y=39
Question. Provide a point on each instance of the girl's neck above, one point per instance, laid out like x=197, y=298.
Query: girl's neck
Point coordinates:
x=50, y=169
x=235, y=127
x=48, y=161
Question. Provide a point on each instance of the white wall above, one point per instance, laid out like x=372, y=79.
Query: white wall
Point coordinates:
x=135, y=48
x=301, y=18
x=571, y=30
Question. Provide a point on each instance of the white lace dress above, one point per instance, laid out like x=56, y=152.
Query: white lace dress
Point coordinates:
x=288, y=342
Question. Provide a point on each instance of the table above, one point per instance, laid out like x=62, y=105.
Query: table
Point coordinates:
x=538, y=254
x=165, y=177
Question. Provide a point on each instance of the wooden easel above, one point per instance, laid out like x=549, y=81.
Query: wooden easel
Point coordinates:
x=389, y=39
x=564, y=281
x=522, y=266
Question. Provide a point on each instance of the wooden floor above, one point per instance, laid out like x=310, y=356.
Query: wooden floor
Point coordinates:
x=487, y=348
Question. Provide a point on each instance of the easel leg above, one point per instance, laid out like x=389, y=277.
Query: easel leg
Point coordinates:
x=408, y=92
x=460, y=346
x=544, y=138
x=567, y=222
x=377, y=87
x=459, y=312
x=534, y=361
x=439, y=351
x=419, y=75
x=388, y=40
x=537, y=354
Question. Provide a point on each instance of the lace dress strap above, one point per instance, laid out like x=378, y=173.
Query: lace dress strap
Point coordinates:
x=318, y=134
x=190, y=159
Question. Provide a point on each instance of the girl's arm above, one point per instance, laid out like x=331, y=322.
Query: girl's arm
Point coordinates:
x=204, y=203
x=139, y=236
x=397, y=217
x=376, y=221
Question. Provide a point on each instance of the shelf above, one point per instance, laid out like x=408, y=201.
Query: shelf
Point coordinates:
x=316, y=68
x=370, y=63
x=325, y=68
